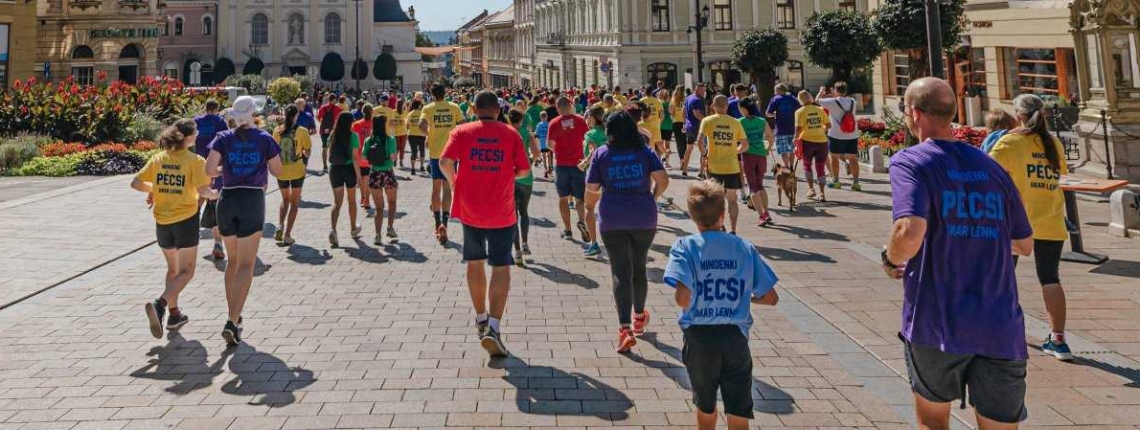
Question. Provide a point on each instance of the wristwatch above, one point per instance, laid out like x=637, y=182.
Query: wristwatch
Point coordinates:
x=887, y=261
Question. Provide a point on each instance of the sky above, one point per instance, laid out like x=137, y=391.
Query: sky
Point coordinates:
x=450, y=14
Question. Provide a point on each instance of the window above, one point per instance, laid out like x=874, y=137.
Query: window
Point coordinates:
x=722, y=14
x=84, y=75
x=179, y=24
x=332, y=29
x=666, y=72
x=785, y=14
x=901, y=70
x=1045, y=72
x=170, y=71
x=975, y=76
x=259, y=30
x=848, y=6
x=82, y=52
x=794, y=75
x=660, y=15
x=207, y=26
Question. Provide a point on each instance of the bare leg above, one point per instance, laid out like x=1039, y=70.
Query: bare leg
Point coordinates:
x=736, y=423
x=180, y=265
x=436, y=195
x=853, y=167
x=239, y=271
x=338, y=201
x=564, y=211
x=477, y=285
x=1055, y=306
x=362, y=182
x=500, y=289
x=580, y=207
x=378, y=222
x=833, y=165
x=391, y=193
x=706, y=421
x=760, y=201
x=931, y=416
x=294, y=207
x=352, y=207
x=732, y=197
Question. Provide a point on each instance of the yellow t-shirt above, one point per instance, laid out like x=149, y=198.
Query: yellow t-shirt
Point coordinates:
x=1023, y=156
x=396, y=124
x=677, y=111
x=174, y=178
x=301, y=144
x=621, y=99
x=656, y=111
x=813, y=122
x=441, y=117
x=412, y=120
x=616, y=107
x=724, y=133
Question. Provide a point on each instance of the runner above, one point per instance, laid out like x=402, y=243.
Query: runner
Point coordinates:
x=209, y=125
x=328, y=113
x=782, y=109
x=542, y=131
x=811, y=135
x=398, y=126
x=380, y=150
x=295, y=144
x=490, y=157
x=722, y=140
x=438, y=120
x=244, y=157
x=362, y=128
x=843, y=135
x=595, y=138
x=666, y=122
x=417, y=138
x=739, y=92
x=523, y=188
x=755, y=159
x=305, y=119
x=633, y=179
x=567, y=139
x=174, y=180
x=343, y=174
x=677, y=111
x=694, y=113
x=651, y=119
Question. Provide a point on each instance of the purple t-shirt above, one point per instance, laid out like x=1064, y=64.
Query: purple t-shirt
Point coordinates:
x=784, y=107
x=245, y=157
x=209, y=125
x=960, y=292
x=627, y=189
x=734, y=108
x=693, y=103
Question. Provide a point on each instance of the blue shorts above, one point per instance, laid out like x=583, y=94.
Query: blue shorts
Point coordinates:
x=436, y=172
x=785, y=144
x=570, y=182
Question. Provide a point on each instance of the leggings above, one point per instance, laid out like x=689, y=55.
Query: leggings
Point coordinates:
x=522, y=203
x=628, y=251
x=417, y=144
x=814, y=152
x=401, y=142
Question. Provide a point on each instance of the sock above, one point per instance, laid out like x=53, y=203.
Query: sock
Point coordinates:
x=494, y=322
x=1057, y=337
x=175, y=312
x=437, y=218
x=162, y=302
x=446, y=216
x=481, y=318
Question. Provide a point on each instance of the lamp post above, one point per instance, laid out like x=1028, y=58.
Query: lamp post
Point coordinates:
x=934, y=38
x=357, y=61
x=702, y=23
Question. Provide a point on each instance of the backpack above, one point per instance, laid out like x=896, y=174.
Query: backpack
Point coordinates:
x=847, y=121
x=378, y=152
x=288, y=145
x=340, y=153
x=327, y=121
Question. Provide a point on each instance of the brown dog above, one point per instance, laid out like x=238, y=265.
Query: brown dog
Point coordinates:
x=785, y=185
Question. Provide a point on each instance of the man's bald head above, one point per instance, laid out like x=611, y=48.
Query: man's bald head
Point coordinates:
x=933, y=97
x=720, y=104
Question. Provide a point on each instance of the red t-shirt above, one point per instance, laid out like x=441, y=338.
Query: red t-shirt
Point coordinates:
x=363, y=130
x=568, y=132
x=330, y=110
x=490, y=154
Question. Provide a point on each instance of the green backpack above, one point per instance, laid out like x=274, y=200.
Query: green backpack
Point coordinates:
x=288, y=145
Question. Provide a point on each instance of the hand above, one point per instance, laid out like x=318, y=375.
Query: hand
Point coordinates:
x=150, y=200
x=895, y=273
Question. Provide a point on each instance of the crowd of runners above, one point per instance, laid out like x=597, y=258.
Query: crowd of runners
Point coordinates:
x=608, y=154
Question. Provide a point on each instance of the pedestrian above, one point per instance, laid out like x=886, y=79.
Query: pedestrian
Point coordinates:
x=174, y=180
x=625, y=180
x=344, y=174
x=523, y=188
x=438, y=120
x=651, y=118
x=716, y=278
x=209, y=124
x=782, y=110
x=397, y=126
x=666, y=122
x=1032, y=157
x=244, y=157
x=842, y=135
x=542, y=131
x=567, y=139
x=380, y=150
x=362, y=128
x=739, y=92
x=754, y=161
x=417, y=138
x=295, y=144
x=722, y=140
x=811, y=136
x=305, y=119
x=694, y=113
x=490, y=157
x=595, y=138
x=958, y=222
x=328, y=113
x=998, y=123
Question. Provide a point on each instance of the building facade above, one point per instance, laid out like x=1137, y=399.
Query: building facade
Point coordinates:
x=85, y=38
x=499, y=49
x=470, y=56
x=189, y=44
x=524, y=42
x=17, y=41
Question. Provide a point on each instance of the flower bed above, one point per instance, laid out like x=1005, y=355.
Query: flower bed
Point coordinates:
x=890, y=135
x=71, y=159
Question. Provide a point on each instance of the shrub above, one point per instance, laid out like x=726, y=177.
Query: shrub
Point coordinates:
x=105, y=163
x=15, y=152
x=142, y=126
x=284, y=90
x=109, y=147
x=60, y=149
x=255, y=84
x=50, y=166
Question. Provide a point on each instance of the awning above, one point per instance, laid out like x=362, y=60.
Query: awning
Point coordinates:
x=440, y=50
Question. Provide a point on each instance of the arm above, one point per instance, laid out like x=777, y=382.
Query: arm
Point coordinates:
x=906, y=239
x=423, y=124
x=683, y=295
x=769, y=137
x=275, y=166
x=207, y=193
x=698, y=114
x=660, y=183
x=214, y=164
x=771, y=298
x=447, y=165
x=741, y=146
x=139, y=185
x=1023, y=247
x=534, y=152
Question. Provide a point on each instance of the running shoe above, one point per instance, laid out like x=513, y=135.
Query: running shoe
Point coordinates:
x=325, y=171
x=219, y=253
x=685, y=174
x=392, y=233
x=856, y=187
x=441, y=234
x=640, y=322
x=626, y=341
x=371, y=211
x=332, y=239
x=526, y=249
x=279, y=235
x=835, y=185
x=481, y=328
x=232, y=334
x=811, y=194
x=520, y=260
x=584, y=231
x=1057, y=349
x=155, y=311
x=567, y=234
x=288, y=240
x=766, y=219
x=356, y=231
x=493, y=343
x=592, y=251
x=378, y=240
x=175, y=322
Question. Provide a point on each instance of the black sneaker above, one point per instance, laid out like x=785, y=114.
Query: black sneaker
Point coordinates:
x=493, y=344
x=232, y=334
x=481, y=328
x=567, y=234
x=176, y=322
x=584, y=231
x=155, y=311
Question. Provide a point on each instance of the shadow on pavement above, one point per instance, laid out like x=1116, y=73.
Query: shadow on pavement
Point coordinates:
x=308, y=255
x=265, y=376
x=561, y=276
x=1123, y=268
x=306, y=204
x=183, y=362
x=866, y=206
x=807, y=233
x=542, y=223
x=545, y=390
x=779, y=254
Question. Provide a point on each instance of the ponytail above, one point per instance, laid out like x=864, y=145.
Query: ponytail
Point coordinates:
x=174, y=137
x=1031, y=112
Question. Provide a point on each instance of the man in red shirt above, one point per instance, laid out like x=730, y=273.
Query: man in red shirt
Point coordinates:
x=327, y=115
x=491, y=156
x=566, y=138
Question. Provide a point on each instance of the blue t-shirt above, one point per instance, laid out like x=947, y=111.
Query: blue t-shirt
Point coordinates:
x=991, y=140
x=959, y=291
x=245, y=157
x=541, y=130
x=209, y=125
x=306, y=119
x=784, y=107
x=627, y=188
x=724, y=272
x=691, y=104
x=734, y=108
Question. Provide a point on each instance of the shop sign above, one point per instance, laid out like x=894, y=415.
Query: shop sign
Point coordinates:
x=126, y=33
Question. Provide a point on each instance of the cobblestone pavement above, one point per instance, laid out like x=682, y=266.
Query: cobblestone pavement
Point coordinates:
x=381, y=337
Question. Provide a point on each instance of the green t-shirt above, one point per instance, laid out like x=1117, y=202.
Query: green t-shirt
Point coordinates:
x=533, y=116
x=524, y=133
x=596, y=138
x=463, y=108
x=390, y=148
x=667, y=121
x=754, y=128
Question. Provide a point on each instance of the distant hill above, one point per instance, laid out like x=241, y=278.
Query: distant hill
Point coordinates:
x=440, y=37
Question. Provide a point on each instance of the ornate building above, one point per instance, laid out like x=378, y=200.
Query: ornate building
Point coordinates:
x=499, y=49
x=470, y=38
x=83, y=37
x=189, y=44
x=17, y=41
x=524, y=42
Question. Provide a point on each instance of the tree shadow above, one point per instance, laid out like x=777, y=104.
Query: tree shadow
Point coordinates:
x=542, y=223
x=1122, y=268
x=264, y=376
x=673, y=230
x=308, y=255
x=183, y=362
x=807, y=233
x=561, y=276
x=793, y=254
x=307, y=204
x=546, y=390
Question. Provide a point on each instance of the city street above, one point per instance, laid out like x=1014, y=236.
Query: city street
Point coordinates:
x=381, y=337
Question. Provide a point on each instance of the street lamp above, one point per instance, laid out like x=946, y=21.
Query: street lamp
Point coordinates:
x=357, y=61
x=934, y=38
x=702, y=23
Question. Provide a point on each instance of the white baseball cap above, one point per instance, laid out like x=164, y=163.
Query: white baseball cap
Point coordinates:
x=243, y=110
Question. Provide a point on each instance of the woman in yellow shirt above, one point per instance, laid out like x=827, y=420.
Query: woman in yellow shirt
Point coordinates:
x=398, y=127
x=295, y=146
x=417, y=138
x=811, y=135
x=1033, y=159
x=173, y=180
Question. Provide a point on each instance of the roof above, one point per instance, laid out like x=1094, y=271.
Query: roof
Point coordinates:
x=437, y=50
x=388, y=11
x=473, y=21
x=505, y=16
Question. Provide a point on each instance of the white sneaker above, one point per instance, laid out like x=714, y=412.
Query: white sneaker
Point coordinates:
x=356, y=232
x=332, y=239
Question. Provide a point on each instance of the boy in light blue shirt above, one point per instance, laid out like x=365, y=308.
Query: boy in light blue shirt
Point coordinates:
x=541, y=131
x=717, y=276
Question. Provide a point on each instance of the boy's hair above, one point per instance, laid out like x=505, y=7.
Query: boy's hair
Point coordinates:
x=706, y=203
x=542, y=115
x=514, y=117
x=212, y=105
x=999, y=119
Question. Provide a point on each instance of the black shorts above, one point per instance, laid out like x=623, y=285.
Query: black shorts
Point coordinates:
x=691, y=136
x=491, y=244
x=182, y=234
x=682, y=140
x=717, y=359
x=667, y=134
x=418, y=145
x=365, y=171
x=290, y=183
x=843, y=146
x=241, y=212
x=325, y=140
x=996, y=386
x=342, y=176
x=1047, y=259
x=730, y=181
x=209, y=214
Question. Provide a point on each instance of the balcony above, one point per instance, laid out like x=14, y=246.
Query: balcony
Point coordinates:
x=84, y=4
x=133, y=4
x=555, y=39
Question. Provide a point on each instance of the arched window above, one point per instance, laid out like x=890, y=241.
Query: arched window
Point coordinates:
x=723, y=75
x=794, y=74
x=129, y=51
x=82, y=52
x=332, y=29
x=666, y=72
x=170, y=70
x=259, y=30
x=81, y=68
x=207, y=25
x=179, y=25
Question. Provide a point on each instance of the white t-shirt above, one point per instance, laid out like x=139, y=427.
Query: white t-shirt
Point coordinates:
x=835, y=109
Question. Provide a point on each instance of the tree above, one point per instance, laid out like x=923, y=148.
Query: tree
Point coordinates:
x=284, y=90
x=758, y=53
x=359, y=70
x=464, y=82
x=841, y=41
x=385, y=69
x=332, y=67
x=423, y=41
x=901, y=25
x=253, y=67
x=255, y=84
x=223, y=68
